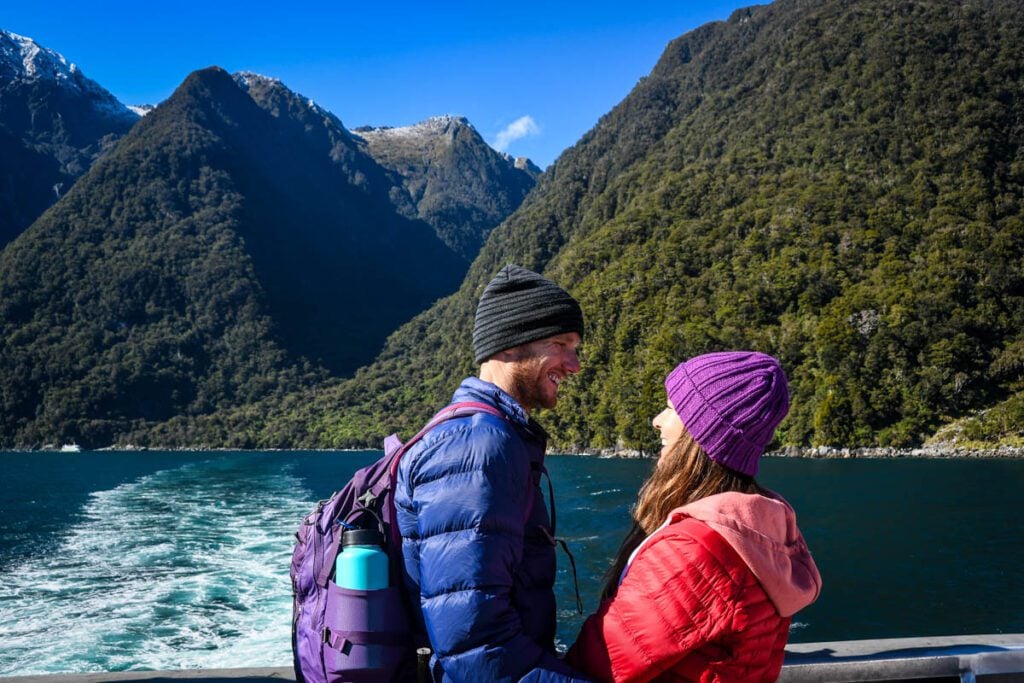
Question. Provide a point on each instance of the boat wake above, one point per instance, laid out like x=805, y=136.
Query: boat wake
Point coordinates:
x=184, y=568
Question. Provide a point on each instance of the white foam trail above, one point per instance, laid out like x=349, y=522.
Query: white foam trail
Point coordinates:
x=185, y=568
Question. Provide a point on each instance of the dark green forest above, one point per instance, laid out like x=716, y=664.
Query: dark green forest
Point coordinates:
x=838, y=183
x=835, y=182
x=235, y=245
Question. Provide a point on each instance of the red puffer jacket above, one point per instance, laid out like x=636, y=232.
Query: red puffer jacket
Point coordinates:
x=707, y=597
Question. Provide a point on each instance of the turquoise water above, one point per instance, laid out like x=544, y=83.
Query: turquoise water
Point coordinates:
x=172, y=560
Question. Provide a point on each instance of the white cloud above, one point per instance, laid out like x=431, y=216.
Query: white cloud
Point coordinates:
x=520, y=128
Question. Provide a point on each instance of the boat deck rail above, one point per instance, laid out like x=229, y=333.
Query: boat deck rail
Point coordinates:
x=993, y=658
x=996, y=658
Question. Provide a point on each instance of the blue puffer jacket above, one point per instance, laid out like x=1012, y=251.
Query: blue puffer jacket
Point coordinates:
x=474, y=540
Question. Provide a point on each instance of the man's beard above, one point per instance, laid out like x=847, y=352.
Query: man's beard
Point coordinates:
x=526, y=388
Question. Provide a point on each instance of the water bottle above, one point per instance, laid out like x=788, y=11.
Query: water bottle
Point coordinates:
x=362, y=563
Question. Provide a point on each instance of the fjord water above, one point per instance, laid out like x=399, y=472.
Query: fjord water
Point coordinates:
x=113, y=561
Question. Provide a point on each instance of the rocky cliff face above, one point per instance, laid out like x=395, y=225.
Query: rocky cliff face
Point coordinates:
x=452, y=179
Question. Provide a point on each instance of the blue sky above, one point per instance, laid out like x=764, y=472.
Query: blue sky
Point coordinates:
x=562, y=63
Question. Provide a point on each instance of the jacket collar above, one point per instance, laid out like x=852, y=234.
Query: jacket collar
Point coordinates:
x=476, y=389
x=762, y=530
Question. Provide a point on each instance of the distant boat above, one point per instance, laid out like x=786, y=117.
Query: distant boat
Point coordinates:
x=71, y=448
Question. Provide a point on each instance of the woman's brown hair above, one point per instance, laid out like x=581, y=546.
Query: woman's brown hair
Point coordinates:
x=683, y=475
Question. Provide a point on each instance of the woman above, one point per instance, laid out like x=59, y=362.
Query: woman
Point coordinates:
x=705, y=583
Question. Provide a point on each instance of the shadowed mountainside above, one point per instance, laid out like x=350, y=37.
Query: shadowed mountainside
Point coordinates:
x=54, y=123
x=224, y=251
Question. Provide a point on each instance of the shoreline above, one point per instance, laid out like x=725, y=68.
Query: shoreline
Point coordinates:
x=935, y=451
x=943, y=451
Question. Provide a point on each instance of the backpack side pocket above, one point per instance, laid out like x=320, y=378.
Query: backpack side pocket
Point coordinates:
x=366, y=634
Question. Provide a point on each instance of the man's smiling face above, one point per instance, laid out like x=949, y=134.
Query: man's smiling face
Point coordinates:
x=539, y=367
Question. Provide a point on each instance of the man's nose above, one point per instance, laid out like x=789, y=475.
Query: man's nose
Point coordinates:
x=573, y=361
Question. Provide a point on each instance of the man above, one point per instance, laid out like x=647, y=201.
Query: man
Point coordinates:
x=476, y=536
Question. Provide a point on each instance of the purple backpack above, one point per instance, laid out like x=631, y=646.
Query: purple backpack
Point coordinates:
x=341, y=635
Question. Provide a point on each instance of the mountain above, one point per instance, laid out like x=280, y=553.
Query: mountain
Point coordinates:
x=142, y=109
x=54, y=123
x=237, y=243
x=455, y=180
x=837, y=182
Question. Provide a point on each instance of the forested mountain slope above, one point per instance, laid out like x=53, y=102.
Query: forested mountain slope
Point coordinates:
x=836, y=182
x=224, y=251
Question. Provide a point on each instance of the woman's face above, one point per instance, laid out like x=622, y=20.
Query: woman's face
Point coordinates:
x=671, y=427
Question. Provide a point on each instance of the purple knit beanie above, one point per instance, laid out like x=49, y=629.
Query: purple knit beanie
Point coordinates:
x=730, y=403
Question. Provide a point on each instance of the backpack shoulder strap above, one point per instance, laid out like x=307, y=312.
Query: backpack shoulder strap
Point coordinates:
x=449, y=412
x=382, y=486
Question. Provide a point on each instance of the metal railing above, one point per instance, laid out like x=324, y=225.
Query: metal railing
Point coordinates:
x=997, y=658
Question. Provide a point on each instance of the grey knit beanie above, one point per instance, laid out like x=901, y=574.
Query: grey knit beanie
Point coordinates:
x=519, y=306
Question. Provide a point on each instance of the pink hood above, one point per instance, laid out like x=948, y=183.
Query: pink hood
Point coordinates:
x=762, y=530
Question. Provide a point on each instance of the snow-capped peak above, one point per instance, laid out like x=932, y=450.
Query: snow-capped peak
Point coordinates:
x=142, y=109
x=428, y=128
x=249, y=81
x=444, y=121
x=25, y=57
x=248, y=78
